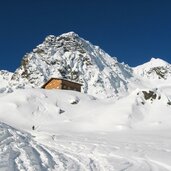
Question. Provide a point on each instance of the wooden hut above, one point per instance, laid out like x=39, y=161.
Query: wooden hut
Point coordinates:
x=59, y=83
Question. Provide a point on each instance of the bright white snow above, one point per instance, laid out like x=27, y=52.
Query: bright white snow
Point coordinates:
x=129, y=151
x=74, y=131
x=68, y=110
x=128, y=129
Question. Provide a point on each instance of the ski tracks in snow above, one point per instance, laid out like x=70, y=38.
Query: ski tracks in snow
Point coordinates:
x=21, y=151
x=100, y=154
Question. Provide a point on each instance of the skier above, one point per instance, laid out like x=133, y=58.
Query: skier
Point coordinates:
x=33, y=127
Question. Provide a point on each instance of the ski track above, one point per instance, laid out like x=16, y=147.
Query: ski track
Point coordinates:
x=24, y=152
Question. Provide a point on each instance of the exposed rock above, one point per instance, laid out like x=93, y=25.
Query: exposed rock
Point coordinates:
x=149, y=95
x=74, y=100
x=169, y=102
x=160, y=71
x=61, y=111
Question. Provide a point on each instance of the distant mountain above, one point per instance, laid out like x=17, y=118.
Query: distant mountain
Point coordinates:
x=155, y=69
x=71, y=57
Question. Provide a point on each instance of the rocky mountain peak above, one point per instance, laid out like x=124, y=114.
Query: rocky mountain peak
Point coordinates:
x=73, y=58
x=70, y=36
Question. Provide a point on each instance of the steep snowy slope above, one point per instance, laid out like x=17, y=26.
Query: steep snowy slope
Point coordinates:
x=71, y=57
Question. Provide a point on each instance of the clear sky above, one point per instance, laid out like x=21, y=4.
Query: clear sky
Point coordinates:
x=132, y=30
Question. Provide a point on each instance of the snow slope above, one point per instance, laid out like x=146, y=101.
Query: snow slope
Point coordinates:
x=74, y=131
x=59, y=110
x=129, y=151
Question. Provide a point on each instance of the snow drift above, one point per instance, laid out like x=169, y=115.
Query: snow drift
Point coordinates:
x=55, y=110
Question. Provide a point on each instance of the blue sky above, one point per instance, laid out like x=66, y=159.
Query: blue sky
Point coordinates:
x=133, y=31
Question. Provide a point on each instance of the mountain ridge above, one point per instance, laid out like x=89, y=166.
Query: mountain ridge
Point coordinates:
x=70, y=57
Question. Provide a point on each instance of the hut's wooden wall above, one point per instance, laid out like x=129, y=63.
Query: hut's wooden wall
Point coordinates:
x=67, y=85
x=54, y=84
x=62, y=84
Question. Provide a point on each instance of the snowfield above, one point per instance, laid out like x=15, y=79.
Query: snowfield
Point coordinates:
x=64, y=110
x=74, y=131
x=129, y=151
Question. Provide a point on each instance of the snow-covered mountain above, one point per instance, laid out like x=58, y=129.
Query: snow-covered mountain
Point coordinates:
x=155, y=69
x=53, y=130
x=71, y=57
